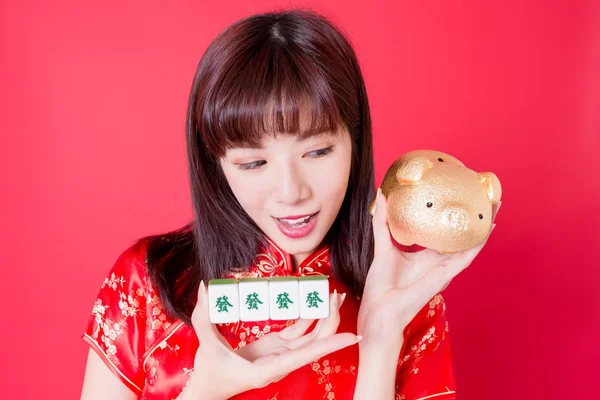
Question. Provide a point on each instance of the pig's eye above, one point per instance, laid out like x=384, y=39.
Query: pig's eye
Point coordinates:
x=440, y=159
x=480, y=216
x=429, y=204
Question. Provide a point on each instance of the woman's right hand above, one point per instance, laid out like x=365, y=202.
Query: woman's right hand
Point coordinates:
x=221, y=372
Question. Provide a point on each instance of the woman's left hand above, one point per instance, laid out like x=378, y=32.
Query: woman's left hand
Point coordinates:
x=400, y=284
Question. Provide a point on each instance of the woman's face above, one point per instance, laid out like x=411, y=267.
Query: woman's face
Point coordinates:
x=291, y=187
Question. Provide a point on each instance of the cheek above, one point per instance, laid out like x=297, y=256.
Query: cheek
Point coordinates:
x=249, y=194
x=333, y=186
x=251, y=198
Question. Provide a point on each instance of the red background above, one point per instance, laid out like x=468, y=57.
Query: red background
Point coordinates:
x=93, y=100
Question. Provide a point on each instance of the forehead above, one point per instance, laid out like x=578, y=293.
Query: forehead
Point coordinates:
x=299, y=124
x=251, y=124
x=269, y=138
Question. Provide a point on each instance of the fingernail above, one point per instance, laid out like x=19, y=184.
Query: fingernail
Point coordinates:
x=201, y=289
x=340, y=299
x=358, y=338
x=376, y=200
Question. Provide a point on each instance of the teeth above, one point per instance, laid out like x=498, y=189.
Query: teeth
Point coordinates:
x=296, y=221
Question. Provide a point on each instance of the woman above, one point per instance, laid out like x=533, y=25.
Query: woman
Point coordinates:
x=281, y=168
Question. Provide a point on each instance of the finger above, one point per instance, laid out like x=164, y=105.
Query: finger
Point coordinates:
x=296, y=330
x=206, y=331
x=439, y=277
x=289, y=338
x=328, y=326
x=325, y=327
x=430, y=257
x=332, y=297
x=332, y=322
x=462, y=260
x=294, y=359
x=495, y=208
x=381, y=231
x=423, y=290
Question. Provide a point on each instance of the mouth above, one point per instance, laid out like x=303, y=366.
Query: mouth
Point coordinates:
x=297, y=226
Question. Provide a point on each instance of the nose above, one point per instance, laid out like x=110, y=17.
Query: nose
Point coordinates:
x=289, y=186
x=456, y=217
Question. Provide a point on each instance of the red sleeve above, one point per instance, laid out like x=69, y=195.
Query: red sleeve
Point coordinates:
x=117, y=325
x=425, y=365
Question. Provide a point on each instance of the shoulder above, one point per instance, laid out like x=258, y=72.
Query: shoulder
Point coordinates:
x=130, y=266
x=127, y=316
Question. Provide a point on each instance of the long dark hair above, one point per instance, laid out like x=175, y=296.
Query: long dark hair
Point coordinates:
x=255, y=79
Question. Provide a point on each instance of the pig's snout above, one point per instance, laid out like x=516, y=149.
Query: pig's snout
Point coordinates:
x=456, y=217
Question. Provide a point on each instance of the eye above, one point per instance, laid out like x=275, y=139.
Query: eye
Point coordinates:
x=480, y=216
x=440, y=159
x=320, y=152
x=429, y=204
x=252, y=165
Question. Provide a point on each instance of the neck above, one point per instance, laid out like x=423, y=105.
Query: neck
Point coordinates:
x=297, y=259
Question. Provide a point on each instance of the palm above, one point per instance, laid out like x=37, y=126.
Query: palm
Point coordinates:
x=264, y=360
x=400, y=284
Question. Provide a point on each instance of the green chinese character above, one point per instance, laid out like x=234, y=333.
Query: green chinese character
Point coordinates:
x=283, y=300
x=252, y=301
x=312, y=299
x=222, y=303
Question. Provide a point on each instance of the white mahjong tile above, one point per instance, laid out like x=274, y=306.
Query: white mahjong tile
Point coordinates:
x=314, y=296
x=223, y=298
x=254, y=299
x=283, y=298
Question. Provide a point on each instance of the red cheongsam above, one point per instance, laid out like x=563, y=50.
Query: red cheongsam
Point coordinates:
x=153, y=354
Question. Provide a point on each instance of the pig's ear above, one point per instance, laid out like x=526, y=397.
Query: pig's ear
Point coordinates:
x=492, y=186
x=372, y=206
x=413, y=170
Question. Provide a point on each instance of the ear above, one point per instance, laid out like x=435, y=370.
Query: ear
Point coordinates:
x=413, y=170
x=492, y=186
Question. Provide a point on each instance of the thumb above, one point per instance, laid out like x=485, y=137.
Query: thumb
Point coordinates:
x=381, y=231
x=205, y=330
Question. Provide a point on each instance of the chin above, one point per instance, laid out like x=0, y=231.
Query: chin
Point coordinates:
x=305, y=245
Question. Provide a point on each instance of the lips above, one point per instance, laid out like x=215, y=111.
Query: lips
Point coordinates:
x=295, y=219
x=297, y=226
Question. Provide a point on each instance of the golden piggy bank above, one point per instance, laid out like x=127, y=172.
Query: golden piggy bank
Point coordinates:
x=435, y=201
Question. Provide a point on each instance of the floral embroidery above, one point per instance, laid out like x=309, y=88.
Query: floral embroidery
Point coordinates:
x=163, y=345
x=128, y=305
x=329, y=368
x=326, y=378
x=434, y=305
x=157, y=321
x=112, y=282
x=321, y=261
x=151, y=370
x=106, y=331
x=267, y=264
x=249, y=334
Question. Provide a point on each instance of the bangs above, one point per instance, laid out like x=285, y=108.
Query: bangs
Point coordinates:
x=276, y=92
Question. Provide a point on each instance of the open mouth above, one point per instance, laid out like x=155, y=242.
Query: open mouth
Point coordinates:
x=296, y=222
x=297, y=226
